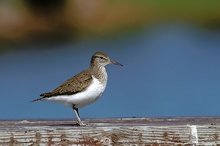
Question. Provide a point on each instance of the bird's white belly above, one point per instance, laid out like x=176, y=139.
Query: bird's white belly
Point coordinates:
x=81, y=99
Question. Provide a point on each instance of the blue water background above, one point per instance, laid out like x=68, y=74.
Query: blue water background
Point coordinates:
x=169, y=70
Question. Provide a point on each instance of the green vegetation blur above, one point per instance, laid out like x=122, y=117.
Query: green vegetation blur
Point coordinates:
x=24, y=21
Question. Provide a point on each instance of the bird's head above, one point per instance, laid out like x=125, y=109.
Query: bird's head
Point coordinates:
x=100, y=58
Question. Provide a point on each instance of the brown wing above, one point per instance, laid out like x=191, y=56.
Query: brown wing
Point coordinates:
x=72, y=85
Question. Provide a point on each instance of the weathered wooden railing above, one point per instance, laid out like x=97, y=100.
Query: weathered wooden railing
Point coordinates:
x=117, y=131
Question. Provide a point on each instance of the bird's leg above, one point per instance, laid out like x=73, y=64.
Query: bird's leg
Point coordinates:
x=78, y=117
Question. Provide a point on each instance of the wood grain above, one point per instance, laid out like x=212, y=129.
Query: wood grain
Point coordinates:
x=117, y=131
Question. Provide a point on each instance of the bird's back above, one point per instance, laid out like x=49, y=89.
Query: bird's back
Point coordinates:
x=71, y=86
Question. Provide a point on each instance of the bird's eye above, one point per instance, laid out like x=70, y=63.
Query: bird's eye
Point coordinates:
x=101, y=57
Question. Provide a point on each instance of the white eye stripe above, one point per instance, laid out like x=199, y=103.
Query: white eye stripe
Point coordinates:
x=101, y=57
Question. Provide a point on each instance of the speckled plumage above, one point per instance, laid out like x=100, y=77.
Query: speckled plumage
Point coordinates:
x=82, y=80
x=72, y=86
x=83, y=88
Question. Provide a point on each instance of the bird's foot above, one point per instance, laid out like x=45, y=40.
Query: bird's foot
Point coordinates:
x=80, y=123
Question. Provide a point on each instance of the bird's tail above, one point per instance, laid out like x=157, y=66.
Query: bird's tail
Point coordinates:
x=42, y=98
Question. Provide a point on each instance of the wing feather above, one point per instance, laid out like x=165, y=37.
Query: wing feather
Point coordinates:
x=71, y=86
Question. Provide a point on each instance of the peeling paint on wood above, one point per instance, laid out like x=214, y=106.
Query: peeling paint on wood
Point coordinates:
x=117, y=131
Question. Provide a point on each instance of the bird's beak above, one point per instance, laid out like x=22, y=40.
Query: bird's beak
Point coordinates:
x=116, y=63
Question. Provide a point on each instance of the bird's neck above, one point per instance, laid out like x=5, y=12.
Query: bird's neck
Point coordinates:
x=100, y=73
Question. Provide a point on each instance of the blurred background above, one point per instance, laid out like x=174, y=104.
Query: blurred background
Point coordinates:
x=170, y=51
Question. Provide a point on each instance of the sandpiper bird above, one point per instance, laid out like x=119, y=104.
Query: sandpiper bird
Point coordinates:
x=83, y=88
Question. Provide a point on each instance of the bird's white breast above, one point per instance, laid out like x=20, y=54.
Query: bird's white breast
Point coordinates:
x=81, y=99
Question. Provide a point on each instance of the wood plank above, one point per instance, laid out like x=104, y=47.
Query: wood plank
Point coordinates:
x=116, y=131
